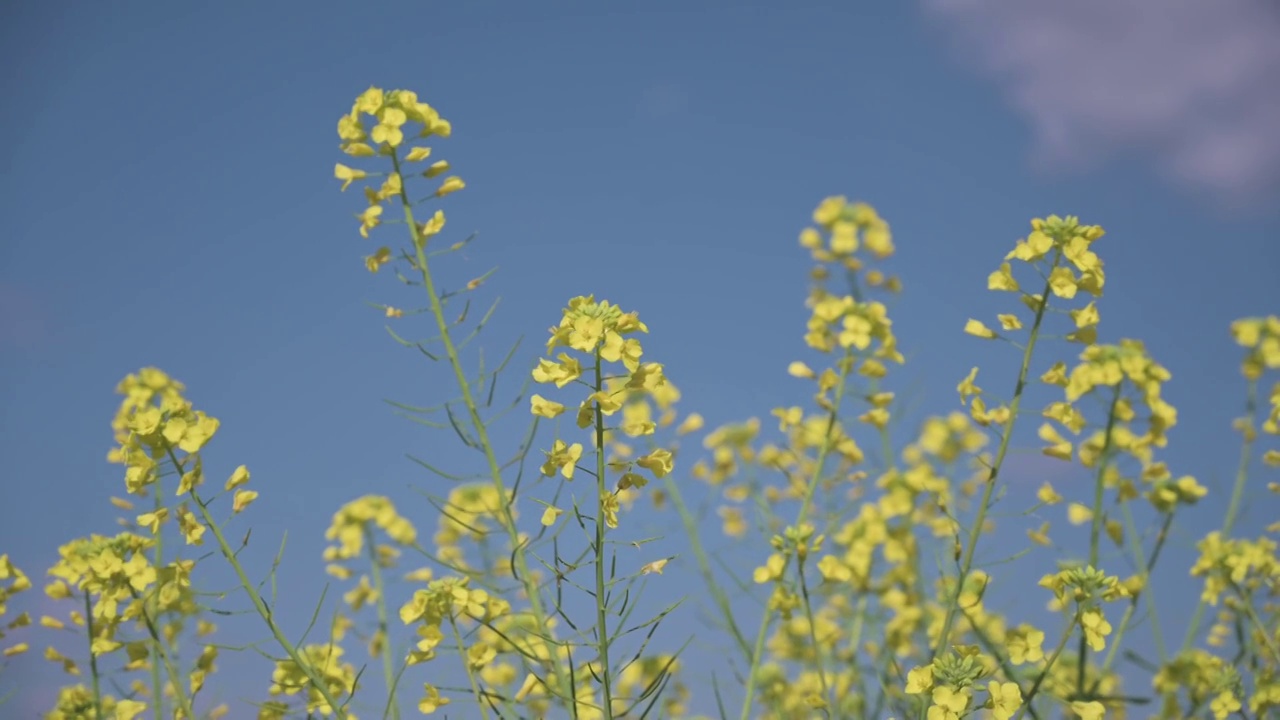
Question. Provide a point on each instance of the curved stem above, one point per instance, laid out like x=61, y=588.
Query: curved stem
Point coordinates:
x=259, y=604
x=1057, y=651
x=505, y=516
x=1007, y=435
x=820, y=462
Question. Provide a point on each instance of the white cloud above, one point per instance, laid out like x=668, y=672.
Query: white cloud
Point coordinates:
x=1193, y=83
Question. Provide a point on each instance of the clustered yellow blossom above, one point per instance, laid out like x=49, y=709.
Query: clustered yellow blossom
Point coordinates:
x=1116, y=367
x=153, y=425
x=1052, y=241
x=353, y=531
x=1246, y=566
x=950, y=682
x=289, y=679
x=603, y=332
x=351, y=526
x=1261, y=337
x=1209, y=680
x=469, y=513
x=76, y=702
x=116, y=580
x=437, y=612
x=390, y=112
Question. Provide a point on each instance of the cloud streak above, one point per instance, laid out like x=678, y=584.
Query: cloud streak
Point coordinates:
x=1193, y=85
x=24, y=325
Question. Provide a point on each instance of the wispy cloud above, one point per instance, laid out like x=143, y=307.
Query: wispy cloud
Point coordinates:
x=24, y=324
x=1195, y=84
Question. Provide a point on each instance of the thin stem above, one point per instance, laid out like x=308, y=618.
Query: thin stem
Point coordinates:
x=466, y=665
x=1148, y=565
x=1002, y=658
x=818, y=653
x=1237, y=494
x=1099, y=481
x=184, y=701
x=820, y=462
x=93, y=659
x=1007, y=435
x=704, y=565
x=388, y=667
x=153, y=605
x=1247, y=604
x=507, y=519
x=1095, y=527
x=1057, y=651
x=855, y=639
x=602, y=612
x=258, y=603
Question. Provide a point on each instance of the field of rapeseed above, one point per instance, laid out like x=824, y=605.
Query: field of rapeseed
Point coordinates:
x=871, y=602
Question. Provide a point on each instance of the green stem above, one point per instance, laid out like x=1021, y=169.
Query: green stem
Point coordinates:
x=1095, y=527
x=93, y=659
x=704, y=565
x=1237, y=494
x=819, y=655
x=184, y=702
x=1148, y=564
x=153, y=605
x=1005, y=663
x=519, y=558
x=1246, y=603
x=855, y=639
x=602, y=612
x=388, y=667
x=757, y=652
x=1007, y=435
x=259, y=604
x=466, y=665
x=1057, y=651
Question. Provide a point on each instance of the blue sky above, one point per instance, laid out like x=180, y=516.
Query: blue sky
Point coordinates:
x=170, y=202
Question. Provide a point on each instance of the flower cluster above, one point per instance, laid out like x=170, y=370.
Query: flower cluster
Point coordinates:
x=290, y=679
x=469, y=513
x=950, y=683
x=351, y=525
x=391, y=112
x=445, y=605
x=154, y=423
x=1052, y=241
x=604, y=333
x=1206, y=678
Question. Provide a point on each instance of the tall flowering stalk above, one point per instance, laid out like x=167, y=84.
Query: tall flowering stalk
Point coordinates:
x=600, y=330
x=390, y=114
x=161, y=434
